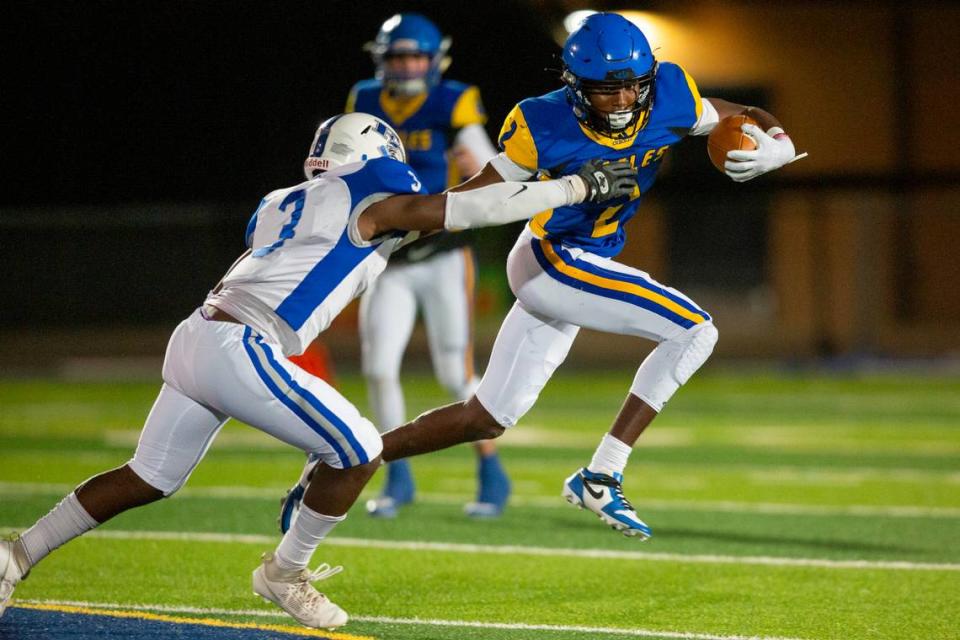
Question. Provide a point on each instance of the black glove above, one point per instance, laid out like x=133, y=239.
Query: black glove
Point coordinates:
x=608, y=180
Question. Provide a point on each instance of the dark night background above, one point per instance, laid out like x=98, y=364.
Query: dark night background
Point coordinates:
x=112, y=102
x=138, y=136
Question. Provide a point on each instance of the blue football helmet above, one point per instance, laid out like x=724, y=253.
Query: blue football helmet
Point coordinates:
x=410, y=33
x=605, y=54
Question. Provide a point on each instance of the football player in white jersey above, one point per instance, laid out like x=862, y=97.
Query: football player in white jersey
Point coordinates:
x=441, y=123
x=312, y=248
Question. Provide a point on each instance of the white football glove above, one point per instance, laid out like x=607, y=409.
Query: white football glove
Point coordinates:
x=771, y=153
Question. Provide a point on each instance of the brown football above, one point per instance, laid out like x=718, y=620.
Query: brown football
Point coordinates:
x=727, y=136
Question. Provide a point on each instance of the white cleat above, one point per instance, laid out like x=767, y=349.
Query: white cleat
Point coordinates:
x=10, y=573
x=292, y=592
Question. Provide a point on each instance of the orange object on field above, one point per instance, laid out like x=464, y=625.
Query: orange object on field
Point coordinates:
x=316, y=361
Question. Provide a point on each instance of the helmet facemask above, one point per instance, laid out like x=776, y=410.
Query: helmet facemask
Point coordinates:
x=616, y=124
x=399, y=84
x=402, y=82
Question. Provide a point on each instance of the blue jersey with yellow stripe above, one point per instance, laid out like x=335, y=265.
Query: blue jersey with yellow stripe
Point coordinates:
x=542, y=134
x=427, y=123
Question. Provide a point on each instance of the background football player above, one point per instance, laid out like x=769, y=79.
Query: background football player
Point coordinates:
x=312, y=248
x=441, y=124
x=618, y=103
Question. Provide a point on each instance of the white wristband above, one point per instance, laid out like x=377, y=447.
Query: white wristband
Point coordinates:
x=576, y=188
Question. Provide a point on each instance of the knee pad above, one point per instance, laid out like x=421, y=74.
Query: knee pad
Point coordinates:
x=672, y=363
x=700, y=343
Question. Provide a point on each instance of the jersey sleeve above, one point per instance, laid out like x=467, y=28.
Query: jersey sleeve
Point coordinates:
x=386, y=175
x=678, y=98
x=378, y=180
x=381, y=177
x=516, y=140
x=251, y=227
x=694, y=94
x=468, y=109
x=351, y=105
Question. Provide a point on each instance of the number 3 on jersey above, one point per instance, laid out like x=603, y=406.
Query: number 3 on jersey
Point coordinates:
x=415, y=187
x=287, y=231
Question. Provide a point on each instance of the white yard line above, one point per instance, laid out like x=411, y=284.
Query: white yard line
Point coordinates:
x=523, y=550
x=729, y=506
x=509, y=626
x=545, y=502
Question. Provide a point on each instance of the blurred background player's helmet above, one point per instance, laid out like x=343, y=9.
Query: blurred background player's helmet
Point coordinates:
x=351, y=137
x=606, y=53
x=409, y=33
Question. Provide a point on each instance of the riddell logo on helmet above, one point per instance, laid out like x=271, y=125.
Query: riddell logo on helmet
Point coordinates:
x=405, y=45
x=318, y=163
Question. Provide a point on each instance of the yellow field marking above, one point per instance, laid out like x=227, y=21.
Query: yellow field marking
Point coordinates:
x=207, y=622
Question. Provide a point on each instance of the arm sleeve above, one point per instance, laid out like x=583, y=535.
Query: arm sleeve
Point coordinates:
x=505, y=202
x=509, y=170
x=708, y=119
x=517, y=142
x=475, y=140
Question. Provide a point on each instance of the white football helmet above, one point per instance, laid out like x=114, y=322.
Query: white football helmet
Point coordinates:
x=351, y=137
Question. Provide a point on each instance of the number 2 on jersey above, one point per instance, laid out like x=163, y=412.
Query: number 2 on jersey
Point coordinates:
x=296, y=198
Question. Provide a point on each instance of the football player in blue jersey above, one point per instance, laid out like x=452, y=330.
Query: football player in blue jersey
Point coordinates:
x=312, y=248
x=618, y=103
x=441, y=124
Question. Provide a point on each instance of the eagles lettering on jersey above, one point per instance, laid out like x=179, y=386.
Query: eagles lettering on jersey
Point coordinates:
x=304, y=266
x=427, y=123
x=543, y=135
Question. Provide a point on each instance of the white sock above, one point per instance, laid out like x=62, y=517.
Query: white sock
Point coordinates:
x=303, y=537
x=610, y=457
x=65, y=522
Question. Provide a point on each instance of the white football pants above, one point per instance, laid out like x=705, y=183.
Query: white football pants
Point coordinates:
x=443, y=287
x=217, y=370
x=560, y=289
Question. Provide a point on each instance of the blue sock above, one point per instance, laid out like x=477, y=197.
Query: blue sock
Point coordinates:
x=494, y=483
x=399, y=484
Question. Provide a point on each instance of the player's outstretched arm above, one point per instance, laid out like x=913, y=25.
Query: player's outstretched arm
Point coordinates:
x=487, y=176
x=774, y=146
x=496, y=204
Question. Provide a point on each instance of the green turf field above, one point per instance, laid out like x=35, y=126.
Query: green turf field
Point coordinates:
x=782, y=507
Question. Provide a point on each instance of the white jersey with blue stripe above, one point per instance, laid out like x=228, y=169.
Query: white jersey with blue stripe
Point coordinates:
x=307, y=260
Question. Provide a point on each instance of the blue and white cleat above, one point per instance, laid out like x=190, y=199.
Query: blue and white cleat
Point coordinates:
x=398, y=491
x=290, y=503
x=493, y=491
x=290, y=507
x=603, y=495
